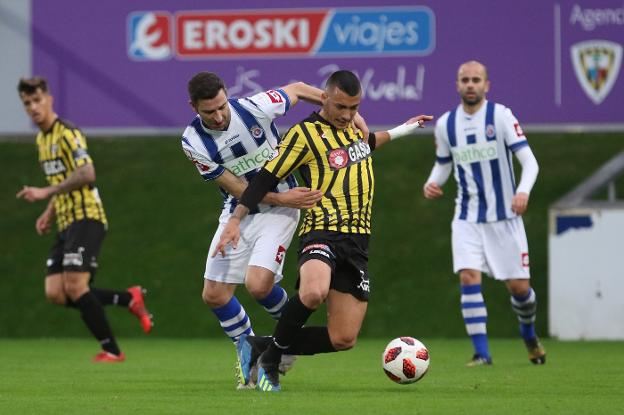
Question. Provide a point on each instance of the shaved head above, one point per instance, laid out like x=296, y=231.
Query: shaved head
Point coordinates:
x=474, y=65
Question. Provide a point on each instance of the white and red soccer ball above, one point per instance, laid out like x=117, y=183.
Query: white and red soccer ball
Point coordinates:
x=405, y=360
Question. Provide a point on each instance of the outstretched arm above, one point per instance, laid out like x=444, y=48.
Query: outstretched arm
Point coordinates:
x=407, y=128
x=84, y=174
x=303, y=91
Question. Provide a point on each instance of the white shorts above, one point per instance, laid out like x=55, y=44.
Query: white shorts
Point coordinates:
x=498, y=248
x=265, y=237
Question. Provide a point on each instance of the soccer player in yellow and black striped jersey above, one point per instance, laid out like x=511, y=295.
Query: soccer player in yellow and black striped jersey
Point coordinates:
x=80, y=218
x=333, y=253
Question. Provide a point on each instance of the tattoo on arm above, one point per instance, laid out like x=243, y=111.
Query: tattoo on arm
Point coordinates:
x=81, y=176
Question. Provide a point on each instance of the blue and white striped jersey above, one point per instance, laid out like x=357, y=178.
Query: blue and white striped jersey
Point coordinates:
x=480, y=146
x=243, y=149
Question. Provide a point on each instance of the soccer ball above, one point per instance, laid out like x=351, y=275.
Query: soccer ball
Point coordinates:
x=405, y=360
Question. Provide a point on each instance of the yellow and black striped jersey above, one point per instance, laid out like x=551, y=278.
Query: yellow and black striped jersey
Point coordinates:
x=62, y=149
x=335, y=161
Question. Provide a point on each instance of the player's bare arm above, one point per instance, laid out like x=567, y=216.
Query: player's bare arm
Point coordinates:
x=303, y=91
x=231, y=232
x=44, y=221
x=297, y=198
x=84, y=174
x=407, y=128
x=359, y=123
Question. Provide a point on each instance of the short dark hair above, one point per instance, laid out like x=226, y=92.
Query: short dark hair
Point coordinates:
x=205, y=85
x=30, y=86
x=346, y=81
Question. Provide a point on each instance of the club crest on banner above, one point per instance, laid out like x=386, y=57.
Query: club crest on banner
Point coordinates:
x=597, y=65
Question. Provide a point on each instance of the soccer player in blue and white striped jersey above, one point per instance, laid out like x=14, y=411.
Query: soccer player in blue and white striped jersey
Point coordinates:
x=229, y=140
x=477, y=140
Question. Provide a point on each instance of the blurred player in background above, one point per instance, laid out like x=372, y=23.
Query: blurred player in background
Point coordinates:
x=80, y=219
x=477, y=139
x=335, y=158
x=229, y=140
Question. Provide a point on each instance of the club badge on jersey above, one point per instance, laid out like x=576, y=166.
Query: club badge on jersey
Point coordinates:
x=342, y=157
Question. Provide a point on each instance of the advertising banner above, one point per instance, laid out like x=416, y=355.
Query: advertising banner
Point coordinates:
x=120, y=64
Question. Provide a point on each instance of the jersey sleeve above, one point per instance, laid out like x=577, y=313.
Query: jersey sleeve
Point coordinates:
x=206, y=167
x=272, y=103
x=514, y=136
x=76, y=145
x=292, y=153
x=443, y=150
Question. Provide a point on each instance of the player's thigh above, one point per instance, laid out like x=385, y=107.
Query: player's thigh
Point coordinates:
x=270, y=234
x=217, y=294
x=54, y=290
x=345, y=315
x=232, y=267
x=468, y=249
x=506, y=249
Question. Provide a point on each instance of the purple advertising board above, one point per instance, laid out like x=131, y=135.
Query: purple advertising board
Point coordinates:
x=124, y=64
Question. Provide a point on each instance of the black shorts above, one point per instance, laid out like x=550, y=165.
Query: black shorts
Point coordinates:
x=76, y=247
x=347, y=256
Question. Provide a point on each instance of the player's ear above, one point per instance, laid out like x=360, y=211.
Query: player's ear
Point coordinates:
x=487, y=86
x=324, y=97
x=192, y=104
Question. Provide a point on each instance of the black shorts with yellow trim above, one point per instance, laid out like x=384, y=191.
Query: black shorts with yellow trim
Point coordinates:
x=76, y=247
x=347, y=256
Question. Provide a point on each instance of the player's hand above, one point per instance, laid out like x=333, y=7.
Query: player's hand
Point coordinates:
x=431, y=190
x=519, y=203
x=420, y=119
x=44, y=222
x=230, y=235
x=301, y=198
x=358, y=122
x=32, y=194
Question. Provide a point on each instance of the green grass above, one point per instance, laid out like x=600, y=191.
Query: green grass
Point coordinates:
x=53, y=376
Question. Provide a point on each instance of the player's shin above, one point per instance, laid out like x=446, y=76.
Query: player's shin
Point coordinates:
x=233, y=319
x=475, y=318
x=275, y=302
x=288, y=327
x=525, y=307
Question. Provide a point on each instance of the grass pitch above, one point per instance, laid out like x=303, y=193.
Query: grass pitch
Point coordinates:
x=55, y=376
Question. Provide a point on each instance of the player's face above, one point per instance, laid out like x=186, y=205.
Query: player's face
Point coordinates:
x=472, y=83
x=38, y=106
x=214, y=112
x=339, y=108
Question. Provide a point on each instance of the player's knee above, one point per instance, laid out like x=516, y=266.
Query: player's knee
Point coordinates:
x=214, y=299
x=519, y=290
x=75, y=291
x=469, y=277
x=313, y=299
x=343, y=342
x=258, y=290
